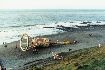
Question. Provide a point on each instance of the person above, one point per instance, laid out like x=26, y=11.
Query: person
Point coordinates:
x=99, y=45
x=75, y=42
x=70, y=50
x=5, y=45
x=0, y=68
x=56, y=56
x=16, y=45
x=3, y=42
x=90, y=35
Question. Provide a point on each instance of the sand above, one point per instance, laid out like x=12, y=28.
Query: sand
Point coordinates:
x=13, y=57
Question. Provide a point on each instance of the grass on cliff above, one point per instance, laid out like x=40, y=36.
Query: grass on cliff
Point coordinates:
x=84, y=59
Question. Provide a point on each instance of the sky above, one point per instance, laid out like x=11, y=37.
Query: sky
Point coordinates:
x=52, y=4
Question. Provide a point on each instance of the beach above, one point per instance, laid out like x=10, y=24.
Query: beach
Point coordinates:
x=87, y=27
x=14, y=58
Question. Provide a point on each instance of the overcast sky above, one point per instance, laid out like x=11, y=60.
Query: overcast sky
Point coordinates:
x=52, y=4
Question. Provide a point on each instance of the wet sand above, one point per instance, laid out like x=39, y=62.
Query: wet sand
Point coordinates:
x=13, y=57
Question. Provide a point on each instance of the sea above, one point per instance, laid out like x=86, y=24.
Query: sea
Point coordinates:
x=14, y=23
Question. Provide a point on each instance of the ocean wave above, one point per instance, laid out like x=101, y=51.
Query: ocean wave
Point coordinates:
x=14, y=33
x=74, y=24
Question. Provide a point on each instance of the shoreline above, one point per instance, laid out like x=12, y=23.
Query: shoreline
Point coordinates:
x=84, y=26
